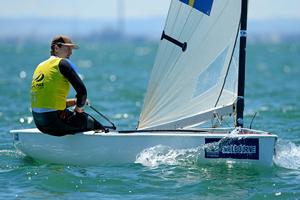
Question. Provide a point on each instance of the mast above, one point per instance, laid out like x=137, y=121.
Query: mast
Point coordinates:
x=242, y=63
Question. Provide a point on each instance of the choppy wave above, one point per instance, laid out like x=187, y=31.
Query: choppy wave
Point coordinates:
x=11, y=153
x=8, y=158
x=287, y=155
x=164, y=155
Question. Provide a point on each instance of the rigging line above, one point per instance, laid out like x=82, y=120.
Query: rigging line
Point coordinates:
x=250, y=127
x=229, y=62
x=103, y=116
x=220, y=121
x=227, y=123
x=206, y=37
x=227, y=71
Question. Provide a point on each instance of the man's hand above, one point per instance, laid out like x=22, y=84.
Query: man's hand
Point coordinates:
x=78, y=109
x=70, y=102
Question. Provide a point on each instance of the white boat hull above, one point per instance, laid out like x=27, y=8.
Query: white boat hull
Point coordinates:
x=90, y=148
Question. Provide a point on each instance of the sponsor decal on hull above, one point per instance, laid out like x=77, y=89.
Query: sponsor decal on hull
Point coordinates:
x=238, y=148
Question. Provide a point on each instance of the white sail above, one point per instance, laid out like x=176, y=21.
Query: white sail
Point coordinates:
x=190, y=82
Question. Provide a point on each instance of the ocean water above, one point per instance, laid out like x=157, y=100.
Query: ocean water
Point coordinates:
x=116, y=76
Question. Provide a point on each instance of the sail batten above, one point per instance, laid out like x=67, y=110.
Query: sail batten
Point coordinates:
x=200, y=79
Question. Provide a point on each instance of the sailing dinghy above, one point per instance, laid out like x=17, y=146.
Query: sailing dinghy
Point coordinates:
x=198, y=76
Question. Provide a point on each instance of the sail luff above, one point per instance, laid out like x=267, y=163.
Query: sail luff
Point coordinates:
x=242, y=65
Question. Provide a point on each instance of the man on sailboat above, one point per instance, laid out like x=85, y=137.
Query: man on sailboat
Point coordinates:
x=49, y=90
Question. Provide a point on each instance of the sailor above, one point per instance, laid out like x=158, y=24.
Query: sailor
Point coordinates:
x=50, y=86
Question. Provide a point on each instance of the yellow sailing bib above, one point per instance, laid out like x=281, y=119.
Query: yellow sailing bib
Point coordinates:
x=49, y=88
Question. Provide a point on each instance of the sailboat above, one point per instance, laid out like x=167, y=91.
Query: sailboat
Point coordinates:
x=198, y=77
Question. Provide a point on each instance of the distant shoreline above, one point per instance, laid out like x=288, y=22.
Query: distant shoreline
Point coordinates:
x=143, y=29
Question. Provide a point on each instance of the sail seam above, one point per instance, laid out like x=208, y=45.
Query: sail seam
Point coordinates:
x=173, y=49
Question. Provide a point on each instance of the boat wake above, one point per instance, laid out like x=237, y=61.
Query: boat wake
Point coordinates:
x=9, y=160
x=164, y=155
x=287, y=155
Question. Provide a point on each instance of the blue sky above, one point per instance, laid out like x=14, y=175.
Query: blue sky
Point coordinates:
x=104, y=9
